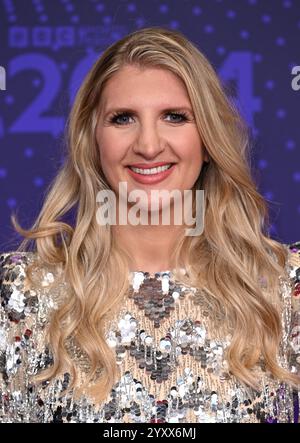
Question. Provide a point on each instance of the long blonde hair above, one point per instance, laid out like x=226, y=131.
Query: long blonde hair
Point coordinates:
x=227, y=260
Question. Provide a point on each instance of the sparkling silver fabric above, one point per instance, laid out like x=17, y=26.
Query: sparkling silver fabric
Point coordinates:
x=171, y=358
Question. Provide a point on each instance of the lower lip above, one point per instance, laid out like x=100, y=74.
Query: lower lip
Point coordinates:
x=151, y=179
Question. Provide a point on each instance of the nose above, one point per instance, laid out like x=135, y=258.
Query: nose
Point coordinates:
x=148, y=142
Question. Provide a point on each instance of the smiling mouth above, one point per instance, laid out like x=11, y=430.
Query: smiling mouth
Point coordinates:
x=151, y=171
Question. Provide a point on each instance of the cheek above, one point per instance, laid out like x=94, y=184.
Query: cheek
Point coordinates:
x=109, y=152
x=106, y=161
x=192, y=157
x=189, y=145
x=105, y=157
x=193, y=154
x=108, y=165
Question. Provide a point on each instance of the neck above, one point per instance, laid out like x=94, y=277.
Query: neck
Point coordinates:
x=149, y=248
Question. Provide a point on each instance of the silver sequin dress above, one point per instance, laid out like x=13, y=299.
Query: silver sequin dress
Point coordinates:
x=172, y=366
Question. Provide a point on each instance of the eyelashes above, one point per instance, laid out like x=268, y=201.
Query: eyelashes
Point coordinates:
x=115, y=117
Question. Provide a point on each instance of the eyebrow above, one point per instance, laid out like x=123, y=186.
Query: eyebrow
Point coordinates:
x=132, y=111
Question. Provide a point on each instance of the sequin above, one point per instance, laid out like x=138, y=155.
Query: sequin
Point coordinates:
x=16, y=301
x=172, y=362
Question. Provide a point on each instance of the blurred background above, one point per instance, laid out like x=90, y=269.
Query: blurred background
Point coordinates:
x=47, y=47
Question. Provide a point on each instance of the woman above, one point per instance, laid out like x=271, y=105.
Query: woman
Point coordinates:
x=141, y=322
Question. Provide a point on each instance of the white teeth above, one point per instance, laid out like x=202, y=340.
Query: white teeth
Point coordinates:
x=152, y=170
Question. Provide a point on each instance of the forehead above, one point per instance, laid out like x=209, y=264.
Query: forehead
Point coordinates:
x=134, y=86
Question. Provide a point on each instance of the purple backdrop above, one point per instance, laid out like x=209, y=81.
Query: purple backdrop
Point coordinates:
x=47, y=46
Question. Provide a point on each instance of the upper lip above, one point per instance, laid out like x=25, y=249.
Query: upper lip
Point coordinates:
x=149, y=165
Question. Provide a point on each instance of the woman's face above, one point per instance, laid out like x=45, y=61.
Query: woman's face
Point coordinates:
x=141, y=127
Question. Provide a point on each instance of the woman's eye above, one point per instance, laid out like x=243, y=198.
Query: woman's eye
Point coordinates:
x=120, y=119
x=182, y=117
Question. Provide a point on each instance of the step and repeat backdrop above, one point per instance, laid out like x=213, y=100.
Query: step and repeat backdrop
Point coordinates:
x=47, y=47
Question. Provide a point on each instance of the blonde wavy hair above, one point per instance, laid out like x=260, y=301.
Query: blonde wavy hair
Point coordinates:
x=228, y=260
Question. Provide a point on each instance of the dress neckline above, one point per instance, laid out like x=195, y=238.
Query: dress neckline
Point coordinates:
x=137, y=278
x=151, y=274
x=157, y=274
